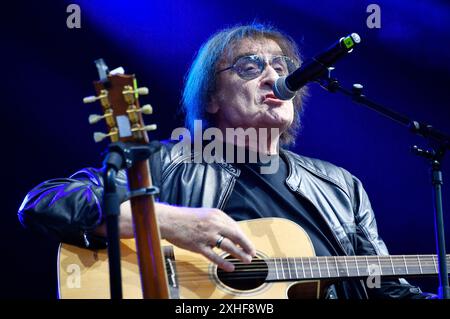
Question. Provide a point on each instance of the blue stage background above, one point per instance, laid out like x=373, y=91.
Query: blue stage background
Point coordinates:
x=49, y=69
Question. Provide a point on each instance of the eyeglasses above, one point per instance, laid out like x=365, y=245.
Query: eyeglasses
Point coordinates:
x=251, y=66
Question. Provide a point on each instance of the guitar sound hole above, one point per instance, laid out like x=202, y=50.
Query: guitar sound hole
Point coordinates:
x=244, y=276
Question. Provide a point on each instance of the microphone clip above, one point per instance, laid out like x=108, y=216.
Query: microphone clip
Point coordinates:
x=327, y=81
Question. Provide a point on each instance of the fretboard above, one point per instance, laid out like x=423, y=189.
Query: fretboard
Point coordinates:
x=280, y=269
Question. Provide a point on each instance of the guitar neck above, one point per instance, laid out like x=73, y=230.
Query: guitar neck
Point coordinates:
x=281, y=269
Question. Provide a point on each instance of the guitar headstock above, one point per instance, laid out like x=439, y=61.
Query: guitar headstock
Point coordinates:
x=119, y=97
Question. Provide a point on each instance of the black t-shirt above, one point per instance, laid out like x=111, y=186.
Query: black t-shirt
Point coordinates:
x=257, y=195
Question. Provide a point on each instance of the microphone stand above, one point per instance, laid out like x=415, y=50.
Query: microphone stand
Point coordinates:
x=120, y=155
x=440, y=142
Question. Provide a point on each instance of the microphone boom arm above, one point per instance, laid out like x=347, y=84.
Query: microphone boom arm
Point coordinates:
x=439, y=141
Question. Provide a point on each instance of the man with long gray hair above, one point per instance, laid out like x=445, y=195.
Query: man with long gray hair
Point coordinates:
x=229, y=89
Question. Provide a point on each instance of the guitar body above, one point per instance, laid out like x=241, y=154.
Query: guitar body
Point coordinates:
x=83, y=273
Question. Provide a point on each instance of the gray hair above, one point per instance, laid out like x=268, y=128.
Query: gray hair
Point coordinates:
x=200, y=81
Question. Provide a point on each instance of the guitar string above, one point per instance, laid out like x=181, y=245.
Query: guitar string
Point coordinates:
x=360, y=258
x=242, y=267
x=331, y=260
x=243, y=274
x=425, y=268
x=349, y=271
x=262, y=275
x=252, y=272
x=314, y=265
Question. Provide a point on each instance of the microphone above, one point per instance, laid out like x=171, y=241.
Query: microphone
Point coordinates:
x=286, y=86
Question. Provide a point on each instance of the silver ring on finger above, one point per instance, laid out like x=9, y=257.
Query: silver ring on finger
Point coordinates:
x=219, y=241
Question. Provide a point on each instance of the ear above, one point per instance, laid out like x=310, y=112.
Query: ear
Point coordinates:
x=213, y=105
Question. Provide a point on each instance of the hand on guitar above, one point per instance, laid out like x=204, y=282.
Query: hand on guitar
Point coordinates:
x=197, y=230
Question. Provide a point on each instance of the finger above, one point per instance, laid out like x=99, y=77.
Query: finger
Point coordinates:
x=209, y=253
x=228, y=246
x=237, y=236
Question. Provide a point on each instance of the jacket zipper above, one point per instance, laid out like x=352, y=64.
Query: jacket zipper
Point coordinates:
x=228, y=193
x=326, y=222
x=303, y=195
x=172, y=167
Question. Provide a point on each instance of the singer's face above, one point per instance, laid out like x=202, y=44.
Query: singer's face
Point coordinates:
x=239, y=102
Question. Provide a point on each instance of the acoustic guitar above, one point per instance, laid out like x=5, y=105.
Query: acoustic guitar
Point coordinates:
x=285, y=267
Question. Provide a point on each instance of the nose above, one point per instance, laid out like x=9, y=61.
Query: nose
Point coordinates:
x=269, y=76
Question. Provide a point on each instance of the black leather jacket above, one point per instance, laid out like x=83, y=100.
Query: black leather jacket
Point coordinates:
x=69, y=209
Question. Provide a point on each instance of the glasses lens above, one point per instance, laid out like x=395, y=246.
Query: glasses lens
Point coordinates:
x=249, y=67
x=283, y=65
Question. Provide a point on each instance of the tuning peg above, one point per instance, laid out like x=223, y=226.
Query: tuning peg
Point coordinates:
x=94, y=118
x=141, y=91
x=150, y=127
x=103, y=97
x=92, y=98
x=146, y=109
x=99, y=136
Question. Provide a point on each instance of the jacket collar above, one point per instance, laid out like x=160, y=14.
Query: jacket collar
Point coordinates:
x=314, y=166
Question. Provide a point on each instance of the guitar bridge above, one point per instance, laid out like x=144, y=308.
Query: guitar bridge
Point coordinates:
x=172, y=279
